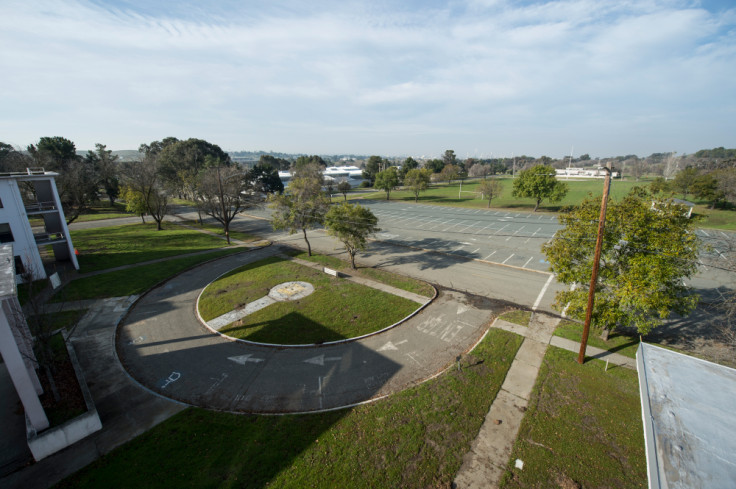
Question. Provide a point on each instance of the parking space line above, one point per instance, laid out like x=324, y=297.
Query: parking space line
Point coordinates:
x=514, y=234
x=486, y=258
x=527, y=262
x=499, y=230
x=541, y=294
x=487, y=226
x=507, y=259
x=533, y=234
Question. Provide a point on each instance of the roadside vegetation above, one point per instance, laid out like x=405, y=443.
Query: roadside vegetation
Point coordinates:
x=413, y=439
x=582, y=428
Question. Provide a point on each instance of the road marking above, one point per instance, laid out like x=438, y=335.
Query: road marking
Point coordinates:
x=527, y=262
x=475, y=250
x=518, y=230
x=490, y=255
x=487, y=226
x=533, y=234
x=418, y=362
x=321, y=359
x=138, y=340
x=392, y=346
x=507, y=259
x=705, y=233
x=173, y=377
x=499, y=230
x=243, y=359
x=716, y=250
x=541, y=294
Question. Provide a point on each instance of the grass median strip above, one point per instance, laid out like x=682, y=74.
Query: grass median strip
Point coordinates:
x=582, y=428
x=337, y=309
x=115, y=246
x=395, y=280
x=134, y=280
x=413, y=439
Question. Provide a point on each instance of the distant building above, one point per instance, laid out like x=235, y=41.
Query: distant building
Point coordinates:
x=352, y=174
x=33, y=224
x=598, y=172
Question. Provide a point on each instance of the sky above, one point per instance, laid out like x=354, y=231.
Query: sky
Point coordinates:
x=482, y=77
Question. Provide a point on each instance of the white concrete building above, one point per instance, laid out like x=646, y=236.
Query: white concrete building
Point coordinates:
x=49, y=230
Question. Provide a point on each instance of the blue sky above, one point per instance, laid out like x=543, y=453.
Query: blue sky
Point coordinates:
x=482, y=77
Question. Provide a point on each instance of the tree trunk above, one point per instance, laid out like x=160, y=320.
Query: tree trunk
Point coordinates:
x=143, y=218
x=489, y=203
x=309, y=247
x=539, y=201
x=158, y=225
x=227, y=231
x=352, y=259
x=387, y=195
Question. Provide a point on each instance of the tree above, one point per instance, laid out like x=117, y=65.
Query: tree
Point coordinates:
x=265, y=178
x=705, y=187
x=684, y=180
x=223, y=192
x=143, y=177
x=490, y=188
x=408, y=164
x=660, y=186
x=479, y=170
x=351, y=224
x=372, y=167
x=417, y=180
x=303, y=206
x=450, y=173
x=647, y=251
x=181, y=162
x=12, y=160
x=449, y=158
x=279, y=163
x=435, y=166
x=106, y=167
x=387, y=180
x=308, y=160
x=539, y=183
x=344, y=187
x=727, y=183
x=135, y=202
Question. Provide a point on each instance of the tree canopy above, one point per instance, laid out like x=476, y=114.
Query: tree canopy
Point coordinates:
x=265, y=178
x=490, y=188
x=539, y=183
x=649, y=247
x=417, y=180
x=351, y=224
x=387, y=180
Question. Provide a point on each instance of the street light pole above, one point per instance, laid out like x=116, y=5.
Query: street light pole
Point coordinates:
x=596, y=265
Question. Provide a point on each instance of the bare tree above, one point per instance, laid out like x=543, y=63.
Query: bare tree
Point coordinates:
x=223, y=192
x=143, y=178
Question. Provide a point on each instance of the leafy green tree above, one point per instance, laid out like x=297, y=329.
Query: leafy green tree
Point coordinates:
x=53, y=153
x=372, y=167
x=490, y=188
x=279, y=163
x=647, y=251
x=265, y=178
x=308, y=160
x=449, y=158
x=143, y=177
x=303, y=206
x=705, y=187
x=435, y=166
x=387, y=180
x=408, y=164
x=684, y=180
x=351, y=224
x=660, y=186
x=106, y=166
x=417, y=180
x=135, y=202
x=344, y=187
x=450, y=173
x=539, y=183
x=182, y=161
x=12, y=160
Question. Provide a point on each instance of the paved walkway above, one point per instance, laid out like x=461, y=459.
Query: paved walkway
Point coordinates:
x=489, y=455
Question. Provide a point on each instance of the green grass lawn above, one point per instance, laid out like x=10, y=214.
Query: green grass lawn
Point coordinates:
x=135, y=280
x=583, y=425
x=337, y=309
x=413, y=439
x=217, y=228
x=103, y=210
x=393, y=279
x=444, y=194
x=617, y=342
x=111, y=247
x=517, y=317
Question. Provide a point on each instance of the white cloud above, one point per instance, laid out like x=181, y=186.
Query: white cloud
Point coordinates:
x=121, y=71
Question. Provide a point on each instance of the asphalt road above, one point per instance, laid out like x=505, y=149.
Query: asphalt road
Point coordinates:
x=164, y=346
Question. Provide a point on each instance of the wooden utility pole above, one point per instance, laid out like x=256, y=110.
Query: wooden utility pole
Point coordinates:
x=596, y=265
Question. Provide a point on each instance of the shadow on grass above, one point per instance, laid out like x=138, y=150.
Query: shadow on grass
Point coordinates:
x=293, y=328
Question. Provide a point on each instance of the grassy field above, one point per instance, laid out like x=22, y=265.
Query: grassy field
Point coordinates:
x=135, y=280
x=413, y=439
x=115, y=246
x=444, y=194
x=617, y=342
x=399, y=281
x=217, y=229
x=103, y=210
x=337, y=309
x=582, y=426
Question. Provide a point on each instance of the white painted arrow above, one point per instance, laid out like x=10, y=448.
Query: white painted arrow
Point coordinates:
x=462, y=308
x=321, y=359
x=391, y=346
x=245, y=358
